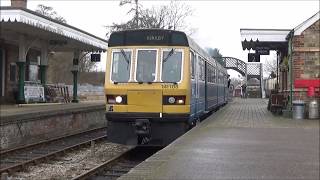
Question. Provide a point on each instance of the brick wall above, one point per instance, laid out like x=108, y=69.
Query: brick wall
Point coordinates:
x=306, y=55
x=19, y=3
x=306, y=62
x=11, y=83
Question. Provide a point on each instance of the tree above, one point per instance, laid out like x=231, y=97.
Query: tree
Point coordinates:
x=85, y=64
x=172, y=16
x=215, y=53
x=270, y=66
x=49, y=12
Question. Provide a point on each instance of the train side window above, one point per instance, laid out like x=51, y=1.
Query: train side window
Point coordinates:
x=209, y=73
x=214, y=76
x=201, y=69
x=192, y=57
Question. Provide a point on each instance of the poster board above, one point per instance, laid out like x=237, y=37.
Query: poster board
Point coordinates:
x=34, y=93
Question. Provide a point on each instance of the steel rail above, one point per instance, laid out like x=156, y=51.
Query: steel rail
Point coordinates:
x=46, y=156
x=3, y=152
x=104, y=165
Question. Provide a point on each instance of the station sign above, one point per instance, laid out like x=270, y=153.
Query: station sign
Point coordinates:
x=253, y=57
x=263, y=50
x=95, y=57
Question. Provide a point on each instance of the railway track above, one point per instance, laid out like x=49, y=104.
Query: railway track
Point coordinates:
x=119, y=165
x=18, y=158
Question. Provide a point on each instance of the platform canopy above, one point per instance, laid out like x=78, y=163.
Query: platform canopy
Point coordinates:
x=60, y=36
x=274, y=39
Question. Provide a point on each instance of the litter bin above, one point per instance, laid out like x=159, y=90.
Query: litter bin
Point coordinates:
x=298, y=109
x=313, y=109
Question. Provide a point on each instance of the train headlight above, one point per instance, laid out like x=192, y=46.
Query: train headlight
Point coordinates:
x=171, y=100
x=180, y=101
x=174, y=100
x=118, y=99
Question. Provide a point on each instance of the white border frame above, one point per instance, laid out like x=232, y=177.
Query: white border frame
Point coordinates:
x=111, y=64
x=182, y=62
x=136, y=63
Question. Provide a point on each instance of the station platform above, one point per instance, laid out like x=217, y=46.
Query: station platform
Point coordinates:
x=240, y=141
x=10, y=113
x=30, y=123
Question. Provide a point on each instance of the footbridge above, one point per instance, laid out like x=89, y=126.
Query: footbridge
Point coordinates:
x=252, y=71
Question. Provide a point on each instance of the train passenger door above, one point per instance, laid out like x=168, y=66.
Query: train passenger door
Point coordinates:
x=194, y=89
x=197, y=70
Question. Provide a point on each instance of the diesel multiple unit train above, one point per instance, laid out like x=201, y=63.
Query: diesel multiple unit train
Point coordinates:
x=158, y=84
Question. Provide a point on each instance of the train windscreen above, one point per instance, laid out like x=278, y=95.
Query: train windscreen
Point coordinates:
x=171, y=66
x=146, y=65
x=121, y=63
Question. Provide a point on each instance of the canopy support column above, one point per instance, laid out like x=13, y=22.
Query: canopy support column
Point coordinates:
x=44, y=63
x=75, y=70
x=21, y=68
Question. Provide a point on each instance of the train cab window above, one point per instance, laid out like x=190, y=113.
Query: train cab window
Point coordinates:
x=171, y=65
x=121, y=63
x=192, y=57
x=146, y=65
x=210, y=74
x=214, y=76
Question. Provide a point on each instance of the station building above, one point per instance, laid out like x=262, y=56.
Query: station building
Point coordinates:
x=298, y=56
x=26, y=40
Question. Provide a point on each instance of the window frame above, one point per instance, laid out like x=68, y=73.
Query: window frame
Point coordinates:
x=182, y=62
x=111, y=64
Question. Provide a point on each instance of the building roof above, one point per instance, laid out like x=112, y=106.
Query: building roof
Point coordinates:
x=307, y=23
x=63, y=36
x=272, y=38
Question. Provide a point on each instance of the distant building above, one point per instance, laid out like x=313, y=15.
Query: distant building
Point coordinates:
x=26, y=39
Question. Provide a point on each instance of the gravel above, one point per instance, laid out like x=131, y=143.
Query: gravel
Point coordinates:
x=71, y=164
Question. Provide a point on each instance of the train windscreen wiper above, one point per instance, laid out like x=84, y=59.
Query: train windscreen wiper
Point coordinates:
x=125, y=57
x=169, y=54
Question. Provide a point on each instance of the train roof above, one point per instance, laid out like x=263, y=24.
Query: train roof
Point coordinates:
x=156, y=37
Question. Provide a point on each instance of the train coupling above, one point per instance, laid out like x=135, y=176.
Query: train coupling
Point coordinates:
x=142, y=127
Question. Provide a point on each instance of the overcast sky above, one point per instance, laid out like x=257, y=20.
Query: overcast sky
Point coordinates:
x=218, y=23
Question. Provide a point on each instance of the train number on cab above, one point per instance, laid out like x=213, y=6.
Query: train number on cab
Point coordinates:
x=169, y=86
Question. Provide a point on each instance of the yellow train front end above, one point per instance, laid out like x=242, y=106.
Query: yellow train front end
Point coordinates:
x=147, y=92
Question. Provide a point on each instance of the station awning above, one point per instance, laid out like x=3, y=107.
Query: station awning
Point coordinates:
x=60, y=36
x=274, y=39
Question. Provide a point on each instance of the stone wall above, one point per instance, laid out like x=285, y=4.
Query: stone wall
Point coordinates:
x=33, y=129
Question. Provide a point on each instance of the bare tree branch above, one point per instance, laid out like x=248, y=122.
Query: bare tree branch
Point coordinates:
x=171, y=16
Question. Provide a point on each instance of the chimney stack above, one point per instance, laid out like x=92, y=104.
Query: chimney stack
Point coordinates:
x=19, y=3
